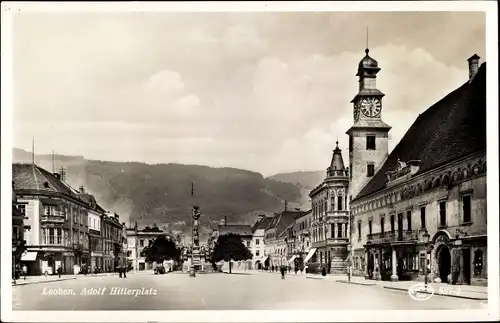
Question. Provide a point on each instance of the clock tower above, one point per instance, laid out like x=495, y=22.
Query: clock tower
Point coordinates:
x=368, y=136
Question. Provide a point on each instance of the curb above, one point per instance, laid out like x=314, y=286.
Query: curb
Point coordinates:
x=45, y=281
x=309, y=277
x=444, y=295
x=355, y=283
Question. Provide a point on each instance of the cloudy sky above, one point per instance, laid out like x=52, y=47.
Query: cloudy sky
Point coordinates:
x=267, y=92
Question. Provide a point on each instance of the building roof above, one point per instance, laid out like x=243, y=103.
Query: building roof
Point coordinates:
x=240, y=229
x=282, y=220
x=452, y=128
x=31, y=177
x=337, y=167
x=90, y=200
x=367, y=62
x=261, y=223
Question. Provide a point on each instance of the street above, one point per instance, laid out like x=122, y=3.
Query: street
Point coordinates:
x=220, y=291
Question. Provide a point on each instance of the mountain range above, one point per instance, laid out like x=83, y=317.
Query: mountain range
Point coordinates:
x=161, y=193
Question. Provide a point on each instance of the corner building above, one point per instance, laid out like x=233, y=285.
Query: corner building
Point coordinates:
x=330, y=219
x=433, y=183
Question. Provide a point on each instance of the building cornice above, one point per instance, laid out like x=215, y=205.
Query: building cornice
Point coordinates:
x=459, y=170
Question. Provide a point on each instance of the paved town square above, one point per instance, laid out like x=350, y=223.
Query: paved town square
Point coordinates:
x=217, y=291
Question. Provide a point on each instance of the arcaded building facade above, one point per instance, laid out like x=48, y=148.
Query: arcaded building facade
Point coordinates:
x=432, y=184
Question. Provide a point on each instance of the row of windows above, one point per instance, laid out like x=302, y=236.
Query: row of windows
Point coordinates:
x=466, y=217
x=322, y=207
x=337, y=230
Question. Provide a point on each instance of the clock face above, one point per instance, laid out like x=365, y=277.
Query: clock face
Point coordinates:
x=371, y=107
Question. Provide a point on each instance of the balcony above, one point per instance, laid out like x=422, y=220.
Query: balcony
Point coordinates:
x=52, y=218
x=394, y=237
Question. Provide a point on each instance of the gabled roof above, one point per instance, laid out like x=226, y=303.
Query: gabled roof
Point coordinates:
x=452, y=128
x=34, y=178
x=284, y=219
x=241, y=229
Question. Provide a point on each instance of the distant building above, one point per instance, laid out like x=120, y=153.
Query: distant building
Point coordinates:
x=258, y=245
x=95, y=216
x=112, y=240
x=137, y=241
x=275, y=238
x=330, y=218
x=433, y=182
x=302, y=234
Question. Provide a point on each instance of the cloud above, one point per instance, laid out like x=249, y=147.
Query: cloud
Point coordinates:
x=269, y=93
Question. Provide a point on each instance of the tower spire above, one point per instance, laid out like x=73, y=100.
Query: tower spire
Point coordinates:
x=366, y=50
x=53, y=163
x=33, y=150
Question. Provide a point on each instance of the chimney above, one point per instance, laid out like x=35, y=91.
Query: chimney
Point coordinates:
x=82, y=189
x=473, y=66
x=286, y=206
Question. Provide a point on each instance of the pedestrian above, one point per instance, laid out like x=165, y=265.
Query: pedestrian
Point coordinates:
x=296, y=269
x=59, y=271
x=120, y=272
x=124, y=272
x=282, y=272
x=323, y=271
x=25, y=271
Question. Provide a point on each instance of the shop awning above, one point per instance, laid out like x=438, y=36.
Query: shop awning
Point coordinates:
x=29, y=256
x=292, y=259
x=310, y=254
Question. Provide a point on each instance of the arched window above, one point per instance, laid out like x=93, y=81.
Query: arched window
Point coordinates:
x=436, y=183
x=478, y=262
x=446, y=180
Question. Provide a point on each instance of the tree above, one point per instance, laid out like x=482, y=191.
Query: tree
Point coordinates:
x=230, y=247
x=162, y=249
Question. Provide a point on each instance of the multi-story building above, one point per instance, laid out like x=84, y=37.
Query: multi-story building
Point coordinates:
x=18, y=242
x=137, y=241
x=276, y=239
x=95, y=215
x=112, y=241
x=55, y=221
x=330, y=217
x=257, y=245
x=424, y=204
x=302, y=235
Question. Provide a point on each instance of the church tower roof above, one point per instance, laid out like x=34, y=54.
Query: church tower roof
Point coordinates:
x=367, y=64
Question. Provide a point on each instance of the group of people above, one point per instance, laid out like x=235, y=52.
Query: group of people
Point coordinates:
x=274, y=268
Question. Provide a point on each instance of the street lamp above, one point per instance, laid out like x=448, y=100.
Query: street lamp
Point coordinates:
x=426, y=237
